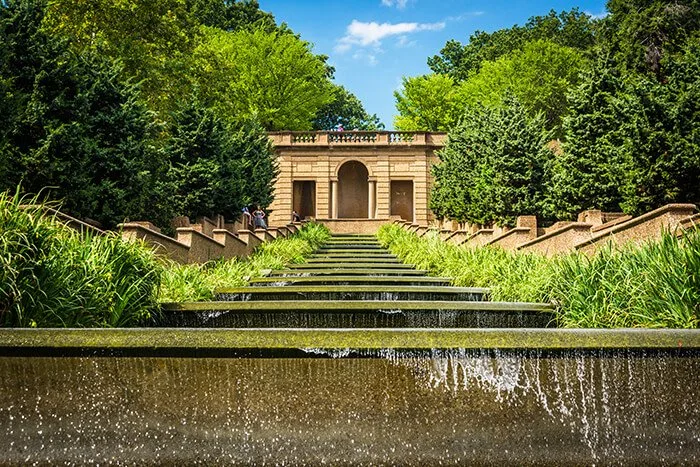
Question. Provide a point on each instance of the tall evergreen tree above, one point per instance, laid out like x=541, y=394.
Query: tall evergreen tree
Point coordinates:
x=76, y=127
x=492, y=168
x=589, y=172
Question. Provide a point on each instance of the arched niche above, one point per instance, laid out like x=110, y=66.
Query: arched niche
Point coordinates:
x=353, y=190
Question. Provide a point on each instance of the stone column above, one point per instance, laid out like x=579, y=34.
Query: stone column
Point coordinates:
x=334, y=199
x=371, y=204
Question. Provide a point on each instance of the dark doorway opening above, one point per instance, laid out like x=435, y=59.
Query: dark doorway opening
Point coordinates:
x=402, y=199
x=304, y=199
x=353, y=190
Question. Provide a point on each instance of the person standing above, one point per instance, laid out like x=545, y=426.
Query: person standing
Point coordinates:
x=259, y=218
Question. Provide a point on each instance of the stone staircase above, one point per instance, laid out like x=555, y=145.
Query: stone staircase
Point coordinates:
x=353, y=282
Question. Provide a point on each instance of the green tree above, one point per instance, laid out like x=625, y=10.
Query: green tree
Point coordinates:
x=215, y=167
x=642, y=32
x=76, y=127
x=231, y=15
x=589, y=172
x=568, y=28
x=154, y=40
x=540, y=75
x=631, y=142
x=426, y=103
x=492, y=168
x=272, y=77
x=347, y=110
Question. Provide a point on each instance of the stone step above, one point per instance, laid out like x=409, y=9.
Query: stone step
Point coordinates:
x=349, y=272
x=351, y=248
x=354, y=254
x=388, y=281
x=356, y=314
x=351, y=259
x=358, y=264
x=352, y=292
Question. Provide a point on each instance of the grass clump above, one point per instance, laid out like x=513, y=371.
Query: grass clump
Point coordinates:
x=52, y=276
x=197, y=282
x=653, y=285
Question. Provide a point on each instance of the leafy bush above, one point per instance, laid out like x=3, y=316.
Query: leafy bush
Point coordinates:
x=194, y=282
x=52, y=276
x=656, y=284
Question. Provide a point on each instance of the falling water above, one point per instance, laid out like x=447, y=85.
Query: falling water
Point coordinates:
x=317, y=406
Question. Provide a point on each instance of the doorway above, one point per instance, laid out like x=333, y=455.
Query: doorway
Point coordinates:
x=402, y=199
x=304, y=199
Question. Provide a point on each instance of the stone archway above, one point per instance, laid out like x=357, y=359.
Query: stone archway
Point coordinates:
x=353, y=190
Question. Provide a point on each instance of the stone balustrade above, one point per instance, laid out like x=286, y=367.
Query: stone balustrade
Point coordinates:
x=357, y=138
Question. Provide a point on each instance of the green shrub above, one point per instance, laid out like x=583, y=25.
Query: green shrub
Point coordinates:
x=196, y=282
x=52, y=276
x=656, y=284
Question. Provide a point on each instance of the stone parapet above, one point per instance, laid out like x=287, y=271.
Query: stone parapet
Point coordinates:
x=512, y=238
x=252, y=240
x=641, y=228
x=458, y=237
x=164, y=246
x=479, y=238
x=559, y=240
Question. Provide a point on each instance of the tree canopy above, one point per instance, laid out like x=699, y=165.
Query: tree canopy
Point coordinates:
x=146, y=109
x=621, y=94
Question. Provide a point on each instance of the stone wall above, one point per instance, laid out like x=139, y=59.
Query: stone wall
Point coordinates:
x=593, y=230
x=203, y=241
x=388, y=157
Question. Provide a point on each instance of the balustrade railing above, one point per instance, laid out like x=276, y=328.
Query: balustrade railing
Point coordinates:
x=352, y=137
x=321, y=138
x=401, y=137
x=307, y=137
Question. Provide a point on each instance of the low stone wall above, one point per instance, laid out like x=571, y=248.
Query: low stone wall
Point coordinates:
x=203, y=242
x=642, y=228
x=165, y=246
x=479, y=238
x=593, y=230
x=558, y=240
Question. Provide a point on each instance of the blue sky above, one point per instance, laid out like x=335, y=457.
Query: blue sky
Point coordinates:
x=374, y=43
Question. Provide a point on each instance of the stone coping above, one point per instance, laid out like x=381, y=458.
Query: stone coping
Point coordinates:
x=611, y=224
x=193, y=340
x=507, y=234
x=154, y=233
x=339, y=278
x=635, y=221
x=554, y=233
x=340, y=271
x=355, y=305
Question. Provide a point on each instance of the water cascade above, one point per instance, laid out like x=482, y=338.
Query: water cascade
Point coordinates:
x=333, y=362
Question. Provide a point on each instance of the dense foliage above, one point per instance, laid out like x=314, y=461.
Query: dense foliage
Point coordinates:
x=492, y=168
x=147, y=109
x=54, y=276
x=653, y=285
x=620, y=94
x=51, y=276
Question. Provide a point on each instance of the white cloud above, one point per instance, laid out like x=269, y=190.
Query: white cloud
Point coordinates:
x=371, y=34
x=465, y=16
x=599, y=15
x=399, y=3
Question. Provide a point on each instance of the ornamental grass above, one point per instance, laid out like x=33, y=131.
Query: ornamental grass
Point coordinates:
x=652, y=285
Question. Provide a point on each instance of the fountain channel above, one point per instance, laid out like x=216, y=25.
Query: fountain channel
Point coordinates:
x=373, y=369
